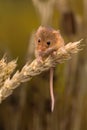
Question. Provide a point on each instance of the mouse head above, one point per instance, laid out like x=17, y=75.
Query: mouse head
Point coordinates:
x=45, y=38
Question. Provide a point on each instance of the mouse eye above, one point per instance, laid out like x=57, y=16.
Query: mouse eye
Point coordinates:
x=48, y=43
x=39, y=40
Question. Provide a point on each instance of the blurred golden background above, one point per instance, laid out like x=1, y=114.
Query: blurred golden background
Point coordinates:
x=28, y=108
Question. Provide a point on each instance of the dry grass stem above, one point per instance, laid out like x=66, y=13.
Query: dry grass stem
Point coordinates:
x=8, y=84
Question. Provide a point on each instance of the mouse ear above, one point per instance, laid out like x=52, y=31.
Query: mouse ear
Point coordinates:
x=40, y=28
x=56, y=31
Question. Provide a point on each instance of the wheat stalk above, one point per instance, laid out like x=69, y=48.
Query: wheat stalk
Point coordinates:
x=33, y=69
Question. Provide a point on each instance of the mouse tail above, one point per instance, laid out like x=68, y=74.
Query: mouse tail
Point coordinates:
x=51, y=89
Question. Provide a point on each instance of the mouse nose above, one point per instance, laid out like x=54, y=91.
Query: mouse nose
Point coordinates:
x=41, y=48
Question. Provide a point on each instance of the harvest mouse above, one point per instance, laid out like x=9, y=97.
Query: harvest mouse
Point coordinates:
x=47, y=42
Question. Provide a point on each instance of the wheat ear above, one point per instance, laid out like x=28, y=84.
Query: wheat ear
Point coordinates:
x=33, y=69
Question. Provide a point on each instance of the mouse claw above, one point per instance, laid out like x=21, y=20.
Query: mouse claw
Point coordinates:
x=39, y=60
